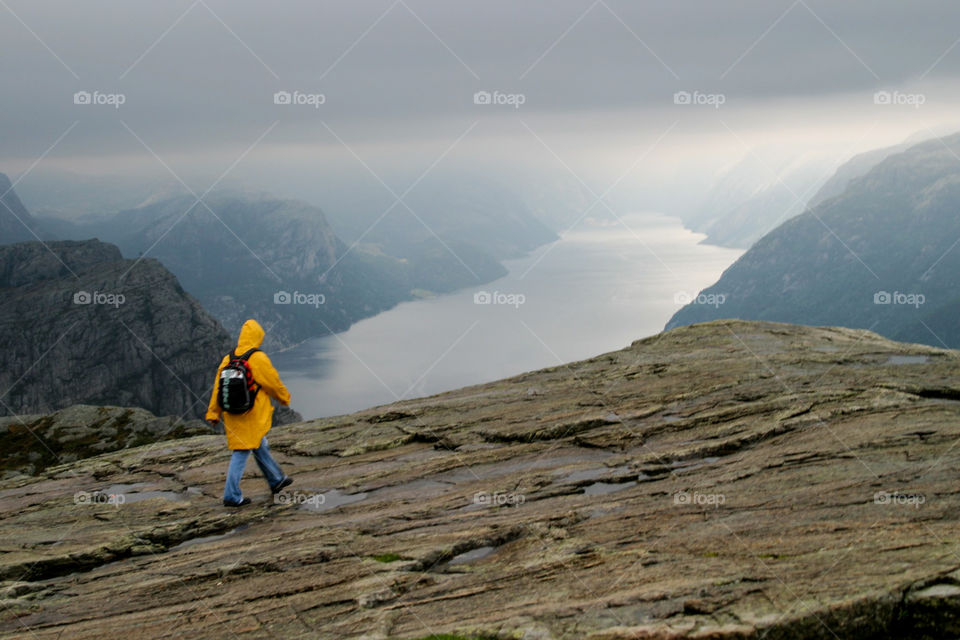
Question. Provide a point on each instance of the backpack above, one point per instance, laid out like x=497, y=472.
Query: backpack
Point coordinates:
x=237, y=389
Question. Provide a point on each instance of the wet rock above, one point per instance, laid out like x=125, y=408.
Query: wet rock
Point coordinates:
x=29, y=444
x=771, y=481
x=83, y=325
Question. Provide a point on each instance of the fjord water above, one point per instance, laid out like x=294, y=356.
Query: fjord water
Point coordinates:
x=597, y=289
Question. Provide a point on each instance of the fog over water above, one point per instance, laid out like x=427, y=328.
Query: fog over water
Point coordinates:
x=595, y=290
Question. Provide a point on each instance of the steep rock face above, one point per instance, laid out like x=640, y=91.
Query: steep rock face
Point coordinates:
x=729, y=480
x=854, y=168
x=258, y=256
x=883, y=256
x=241, y=252
x=83, y=325
x=16, y=222
x=756, y=195
x=242, y=255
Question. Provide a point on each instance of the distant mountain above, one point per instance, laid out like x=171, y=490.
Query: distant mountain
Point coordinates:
x=82, y=325
x=279, y=261
x=560, y=201
x=275, y=260
x=853, y=168
x=56, y=193
x=882, y=255
x=16, y=222
x=861, y=163
x=246, y=248
x=757, y=194
x=480, y=216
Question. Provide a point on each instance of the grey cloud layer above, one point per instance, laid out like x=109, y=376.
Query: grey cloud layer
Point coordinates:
x=212, y=77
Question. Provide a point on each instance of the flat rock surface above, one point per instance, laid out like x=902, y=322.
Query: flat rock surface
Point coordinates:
x=726, y=480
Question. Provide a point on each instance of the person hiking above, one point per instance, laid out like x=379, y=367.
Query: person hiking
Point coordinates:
x=245, y=383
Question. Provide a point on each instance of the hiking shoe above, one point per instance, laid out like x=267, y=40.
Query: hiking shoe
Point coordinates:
x=230, y=503
x=286, y=482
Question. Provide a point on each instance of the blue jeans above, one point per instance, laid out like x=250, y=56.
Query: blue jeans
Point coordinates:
x=268, y=466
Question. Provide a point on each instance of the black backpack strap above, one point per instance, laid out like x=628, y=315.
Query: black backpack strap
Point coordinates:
x=245, y=357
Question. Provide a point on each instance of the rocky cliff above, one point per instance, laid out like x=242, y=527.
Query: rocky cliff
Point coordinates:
x=237, y=253
x=254, y=255
x=727, y=480
x=16, y=223
x=83, y=325
x=31, y=443
x=883, y=255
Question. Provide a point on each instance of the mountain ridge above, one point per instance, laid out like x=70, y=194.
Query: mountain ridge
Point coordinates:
x=16, y=223
x=106, y=331
x=236, y=252
x=878, y=256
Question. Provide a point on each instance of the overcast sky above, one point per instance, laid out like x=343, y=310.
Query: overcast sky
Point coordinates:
x=398, y=80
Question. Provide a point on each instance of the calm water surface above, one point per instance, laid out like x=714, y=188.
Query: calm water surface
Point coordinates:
x=597, y=289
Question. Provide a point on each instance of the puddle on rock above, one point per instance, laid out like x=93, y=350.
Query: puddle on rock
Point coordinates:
x=412, y=490
x=492, y=470
x=131, y=493
x=332, y=499
x=204, y=539
x=907, y=359
x=472, y=556
x=592, y=474
x=601, y=488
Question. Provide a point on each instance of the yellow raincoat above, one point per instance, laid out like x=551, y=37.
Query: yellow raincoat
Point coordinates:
x=245, y=430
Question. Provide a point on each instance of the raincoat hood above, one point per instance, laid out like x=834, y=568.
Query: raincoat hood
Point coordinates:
x=246, y=430
x=251, y=336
